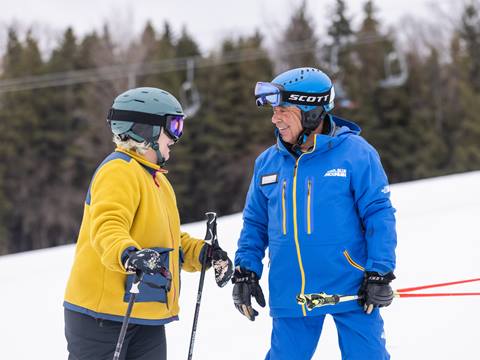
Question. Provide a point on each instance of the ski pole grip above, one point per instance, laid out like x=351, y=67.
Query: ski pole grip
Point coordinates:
x=134, y=289
x=211, y=234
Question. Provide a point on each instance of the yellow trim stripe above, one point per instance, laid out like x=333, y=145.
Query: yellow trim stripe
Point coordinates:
x=353, y=263
x=295, y=231
x=309, y=227
x=284, y=211
x=295, y=225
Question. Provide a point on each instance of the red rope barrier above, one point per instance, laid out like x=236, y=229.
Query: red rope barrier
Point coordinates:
x=405, y=295
x=436, y=285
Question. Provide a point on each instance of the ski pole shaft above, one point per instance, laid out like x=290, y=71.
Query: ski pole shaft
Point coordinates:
x=423, y=287
x=210, y=235
x=405, y=295
x=123, y=331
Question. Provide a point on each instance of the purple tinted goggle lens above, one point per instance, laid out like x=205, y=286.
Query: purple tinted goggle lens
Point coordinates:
x=268, y=93
x=175, y=126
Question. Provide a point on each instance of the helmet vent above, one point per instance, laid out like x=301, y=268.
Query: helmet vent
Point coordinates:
x=140, y=101
x=144, y=91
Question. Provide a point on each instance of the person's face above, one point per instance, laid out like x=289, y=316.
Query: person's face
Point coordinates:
x=288, y=121
x=164, y=143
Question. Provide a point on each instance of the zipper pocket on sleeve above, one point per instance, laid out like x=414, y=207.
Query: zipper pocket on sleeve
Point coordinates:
x=284, y=210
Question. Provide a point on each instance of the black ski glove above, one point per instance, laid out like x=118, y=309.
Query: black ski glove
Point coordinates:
x=375, y=291
x=246, y=286
x=147, y=261
x=221, y=263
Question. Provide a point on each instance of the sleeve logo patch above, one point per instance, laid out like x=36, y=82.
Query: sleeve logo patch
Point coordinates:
x=269, y=179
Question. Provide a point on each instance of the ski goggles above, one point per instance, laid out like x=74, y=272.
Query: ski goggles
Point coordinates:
x=268, y=93
x=275, y=95
x=173, y=124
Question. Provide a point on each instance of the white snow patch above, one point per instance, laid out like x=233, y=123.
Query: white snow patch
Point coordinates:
x=438, y=242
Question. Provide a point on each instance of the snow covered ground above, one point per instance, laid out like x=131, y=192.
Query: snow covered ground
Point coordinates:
x=438, y=241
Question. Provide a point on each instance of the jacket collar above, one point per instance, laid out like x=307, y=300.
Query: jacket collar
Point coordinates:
x=149, y=166
x=323, y=143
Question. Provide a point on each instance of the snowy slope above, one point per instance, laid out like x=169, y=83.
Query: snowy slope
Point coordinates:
x=438, y=241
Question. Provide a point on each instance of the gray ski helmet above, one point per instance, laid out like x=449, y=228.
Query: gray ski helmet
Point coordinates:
x=139, y=113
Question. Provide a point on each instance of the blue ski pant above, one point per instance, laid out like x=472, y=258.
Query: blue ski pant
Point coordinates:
x=360, y=336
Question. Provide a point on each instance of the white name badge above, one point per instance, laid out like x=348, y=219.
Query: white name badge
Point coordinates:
x=269, y=179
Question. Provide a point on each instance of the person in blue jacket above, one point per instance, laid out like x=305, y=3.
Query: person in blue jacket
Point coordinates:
x=319, y=200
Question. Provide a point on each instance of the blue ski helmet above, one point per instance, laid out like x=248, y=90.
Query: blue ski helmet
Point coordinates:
x=309, y=89
x=140, y=113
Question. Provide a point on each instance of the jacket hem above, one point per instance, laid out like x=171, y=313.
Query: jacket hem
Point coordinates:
x=98, y=315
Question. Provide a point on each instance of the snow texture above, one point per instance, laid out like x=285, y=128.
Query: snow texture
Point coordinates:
x=438, y=242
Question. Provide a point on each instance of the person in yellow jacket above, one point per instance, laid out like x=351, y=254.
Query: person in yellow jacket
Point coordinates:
x=131, y=223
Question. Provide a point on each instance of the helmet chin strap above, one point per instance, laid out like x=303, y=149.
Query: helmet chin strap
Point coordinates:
x=160, y=159
x=308, y=119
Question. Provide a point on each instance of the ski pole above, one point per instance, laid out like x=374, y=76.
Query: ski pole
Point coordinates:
x=123, y=331
x=210, y=235
x=312, y=301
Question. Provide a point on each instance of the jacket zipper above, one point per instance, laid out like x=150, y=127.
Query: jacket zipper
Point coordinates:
x=295, y=224
x=295, y=231
x=309, y=223
x=284, y=211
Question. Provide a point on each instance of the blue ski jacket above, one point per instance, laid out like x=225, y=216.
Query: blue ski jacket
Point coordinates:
x=325, y=217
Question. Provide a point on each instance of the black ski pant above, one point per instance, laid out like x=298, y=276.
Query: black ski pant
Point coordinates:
x=89, y=338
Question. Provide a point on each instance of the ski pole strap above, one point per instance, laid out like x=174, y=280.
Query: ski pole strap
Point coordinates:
x=136, y=282
x=423, y=287
x=312, y=301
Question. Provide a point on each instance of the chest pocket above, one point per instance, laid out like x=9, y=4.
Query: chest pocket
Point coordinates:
x=275, y=190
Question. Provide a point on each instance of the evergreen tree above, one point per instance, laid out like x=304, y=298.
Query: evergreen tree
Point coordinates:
x=341, y=66
x=182, y=172
x=299, y=46
x=20, y=134
x=426, y=116
x=230, y=130
x=470, y=34
x=464, y=81
x=186, y=45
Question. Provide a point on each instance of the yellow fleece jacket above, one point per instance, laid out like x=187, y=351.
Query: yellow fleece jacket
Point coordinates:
x=130, y=204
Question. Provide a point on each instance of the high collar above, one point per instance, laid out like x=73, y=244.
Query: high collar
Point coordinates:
x=142, y=160
x=322, y=142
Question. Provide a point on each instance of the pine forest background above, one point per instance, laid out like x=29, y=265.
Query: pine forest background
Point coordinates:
x=53, y=137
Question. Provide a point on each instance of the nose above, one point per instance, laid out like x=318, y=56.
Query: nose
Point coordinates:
x=275, y=119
